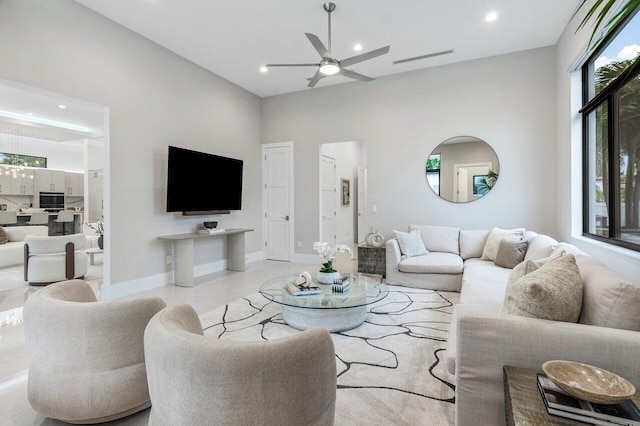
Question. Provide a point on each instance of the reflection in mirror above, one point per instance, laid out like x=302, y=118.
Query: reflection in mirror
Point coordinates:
x=462, y=169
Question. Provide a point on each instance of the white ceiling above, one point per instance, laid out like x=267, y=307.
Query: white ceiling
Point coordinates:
x=234, y=38
x=31, y=113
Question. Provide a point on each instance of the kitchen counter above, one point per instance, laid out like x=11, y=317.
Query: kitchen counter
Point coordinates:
x=55, y=228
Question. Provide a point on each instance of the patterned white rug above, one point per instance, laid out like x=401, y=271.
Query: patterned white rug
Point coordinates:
x=390, y=369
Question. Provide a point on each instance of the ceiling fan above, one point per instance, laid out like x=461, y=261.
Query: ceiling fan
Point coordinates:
x=329, y=65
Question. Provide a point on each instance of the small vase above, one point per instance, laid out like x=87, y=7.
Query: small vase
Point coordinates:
x=327, y=277
x=100, y=238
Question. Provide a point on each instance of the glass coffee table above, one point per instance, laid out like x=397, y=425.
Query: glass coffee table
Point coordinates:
x=331, y=310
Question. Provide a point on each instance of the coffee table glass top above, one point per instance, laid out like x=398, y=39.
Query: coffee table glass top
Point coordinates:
x=363, y=291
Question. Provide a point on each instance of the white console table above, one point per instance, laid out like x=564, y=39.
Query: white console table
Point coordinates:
x=183, y=252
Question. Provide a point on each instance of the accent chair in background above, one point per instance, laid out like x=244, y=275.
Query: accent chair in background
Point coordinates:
x=198, y=380
x=87, y=357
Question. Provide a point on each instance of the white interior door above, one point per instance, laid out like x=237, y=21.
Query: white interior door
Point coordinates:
x=362, y=204
x=462, y=191
x=463, y=179
x=329, y=193
x=278, y=185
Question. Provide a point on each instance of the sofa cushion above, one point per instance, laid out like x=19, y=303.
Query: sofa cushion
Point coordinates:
x=511, y=252
x=17, y=233
x=493, y=241
x=568, y=249
x=483, y=282
x=433, y=263
x=609, y=300
x=472, y=242
x=439, y=238
x=540, y=247
x=410, y=243
x=528, y=266
x=4, y=236
x=553, y=292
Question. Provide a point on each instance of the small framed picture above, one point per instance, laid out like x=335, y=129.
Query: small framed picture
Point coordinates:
x=345, y=185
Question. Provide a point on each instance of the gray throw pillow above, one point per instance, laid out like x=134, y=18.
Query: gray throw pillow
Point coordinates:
x=4, y=236
x=553, y=292
x=528, y=266
x=511, y=252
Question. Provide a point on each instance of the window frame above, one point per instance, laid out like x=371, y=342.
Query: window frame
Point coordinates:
x=609, y=96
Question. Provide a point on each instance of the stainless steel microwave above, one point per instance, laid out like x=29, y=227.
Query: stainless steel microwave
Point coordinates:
x=52, y=201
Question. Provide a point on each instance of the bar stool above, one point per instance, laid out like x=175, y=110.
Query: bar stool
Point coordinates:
x=8, y=218
x=64, y=217
x=39, y=218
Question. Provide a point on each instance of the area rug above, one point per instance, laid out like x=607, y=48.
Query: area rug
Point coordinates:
x=391, y=369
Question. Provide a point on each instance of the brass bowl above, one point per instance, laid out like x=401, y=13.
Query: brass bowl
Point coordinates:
x=589, y=383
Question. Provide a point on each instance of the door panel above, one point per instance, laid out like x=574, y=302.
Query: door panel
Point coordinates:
x=328, y=183
x=277, y=203
x=362, y=204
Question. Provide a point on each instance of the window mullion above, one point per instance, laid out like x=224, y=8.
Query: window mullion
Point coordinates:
x=614, y=167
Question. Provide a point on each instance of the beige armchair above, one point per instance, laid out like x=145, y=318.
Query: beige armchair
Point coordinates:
x=87, y=357
x=52, y=259
x=200, y=380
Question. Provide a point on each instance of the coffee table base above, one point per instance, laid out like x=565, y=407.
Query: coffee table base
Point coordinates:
x=332, y=319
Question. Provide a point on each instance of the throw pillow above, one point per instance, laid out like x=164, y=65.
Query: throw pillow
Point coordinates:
x=528, y=266
x=553, y=292
x=493, y=241
x=511, y=252
x=410, y=243
x=4, y=236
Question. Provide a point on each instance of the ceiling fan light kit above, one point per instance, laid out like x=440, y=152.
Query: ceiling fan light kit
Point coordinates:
x=329, y=65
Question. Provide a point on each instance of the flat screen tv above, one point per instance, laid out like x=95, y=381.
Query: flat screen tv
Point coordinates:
x=201, y=183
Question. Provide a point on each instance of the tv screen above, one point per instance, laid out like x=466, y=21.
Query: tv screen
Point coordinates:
x=201, y=182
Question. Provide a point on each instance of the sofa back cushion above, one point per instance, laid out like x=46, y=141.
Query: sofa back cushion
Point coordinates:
x=57, y=244
x=472, y=242
x=17, y=233
x=609, y=299
x=552, y=292
x=493, y=241
x=540, y=247
x=439, y=238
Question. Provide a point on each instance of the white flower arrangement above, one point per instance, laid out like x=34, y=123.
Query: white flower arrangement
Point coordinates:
x=328, y=254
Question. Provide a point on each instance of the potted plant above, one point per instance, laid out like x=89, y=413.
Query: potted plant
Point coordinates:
x=327, y=273
x=98, y=228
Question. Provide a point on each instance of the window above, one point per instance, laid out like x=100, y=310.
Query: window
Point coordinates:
x=433, y=172
x=8, y=159
x=611, y=138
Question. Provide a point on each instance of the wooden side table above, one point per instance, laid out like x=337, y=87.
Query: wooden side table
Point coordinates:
x=372, y=260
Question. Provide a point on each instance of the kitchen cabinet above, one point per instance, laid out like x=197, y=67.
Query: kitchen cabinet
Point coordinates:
x=50, y=180
x=74, y=184
x=5, y=183
x=23, y=183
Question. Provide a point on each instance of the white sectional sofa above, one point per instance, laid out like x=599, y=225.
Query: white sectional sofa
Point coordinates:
x=12, y=252
x=482, y=339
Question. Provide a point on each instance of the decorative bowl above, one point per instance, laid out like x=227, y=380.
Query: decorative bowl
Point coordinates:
x=592, y=384
x=210, y=225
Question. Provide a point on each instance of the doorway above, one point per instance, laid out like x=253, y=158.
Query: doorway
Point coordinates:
x=277, y=199
x=464, y=180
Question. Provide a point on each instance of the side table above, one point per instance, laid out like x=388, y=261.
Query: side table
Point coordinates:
x=523, y=403
x=372, y=260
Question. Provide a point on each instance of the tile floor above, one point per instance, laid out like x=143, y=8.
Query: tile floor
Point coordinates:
x=209, y=293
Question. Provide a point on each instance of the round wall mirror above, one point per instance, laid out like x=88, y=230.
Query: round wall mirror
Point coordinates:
x=462, y=169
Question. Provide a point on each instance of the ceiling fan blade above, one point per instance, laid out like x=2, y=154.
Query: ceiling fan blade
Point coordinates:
x=324, y=53
x=292, y=65
x=354, y=75
x=364, y=56
x=315, y=79
x=430, y=55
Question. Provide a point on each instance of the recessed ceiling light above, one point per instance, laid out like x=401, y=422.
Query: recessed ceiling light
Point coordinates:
x=263, y=69
x=491, y=16
x=62, y=106
x=357, y=47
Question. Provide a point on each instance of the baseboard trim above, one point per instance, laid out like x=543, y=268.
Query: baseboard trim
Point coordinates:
x=127, y=288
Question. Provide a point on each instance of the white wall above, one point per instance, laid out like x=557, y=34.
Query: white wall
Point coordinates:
x=569, y=156
x=59, y=155
x=155, y=99
x=347, y=155
x=508, y=101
